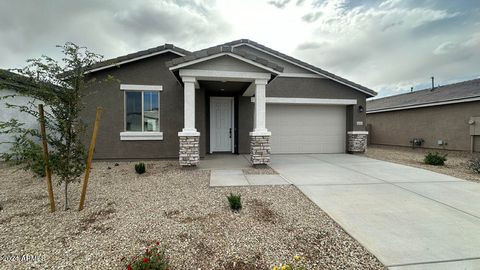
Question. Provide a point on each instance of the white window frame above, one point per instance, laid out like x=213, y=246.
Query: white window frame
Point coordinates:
x=140, y=135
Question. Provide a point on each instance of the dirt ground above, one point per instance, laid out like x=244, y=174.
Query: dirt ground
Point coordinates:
x=175, y=206
x=456, y=164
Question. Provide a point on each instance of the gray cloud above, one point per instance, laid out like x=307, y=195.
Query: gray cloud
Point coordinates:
x=310, y=46
x=390, y=46
x=312, y=17
x=172, y=23
x=390, y=25
x=279, y=3
x=112, y=28
x=299, y=2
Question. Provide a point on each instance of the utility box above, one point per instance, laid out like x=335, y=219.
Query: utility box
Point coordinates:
x=474, y=123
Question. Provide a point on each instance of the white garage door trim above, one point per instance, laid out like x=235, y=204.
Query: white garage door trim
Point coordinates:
x=318, y=101
x=301, y=128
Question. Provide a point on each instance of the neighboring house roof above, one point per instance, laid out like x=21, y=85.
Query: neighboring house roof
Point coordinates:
x=14, y=81
x=137, y=56
x=447, y=94
x=223, y=49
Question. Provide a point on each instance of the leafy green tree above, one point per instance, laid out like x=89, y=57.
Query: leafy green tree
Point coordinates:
x=59, y=84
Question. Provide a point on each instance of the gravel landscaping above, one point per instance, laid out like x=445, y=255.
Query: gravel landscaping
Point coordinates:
x=175, y=206
x=456, y=164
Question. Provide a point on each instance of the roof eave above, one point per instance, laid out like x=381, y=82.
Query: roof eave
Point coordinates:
x=136, y=56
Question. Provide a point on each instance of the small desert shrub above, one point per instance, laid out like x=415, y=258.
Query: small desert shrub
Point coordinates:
x=474, y=164
x=154, y=258
x=140, y=168
x=235, y=202
x=435, y=159
x=296, y=264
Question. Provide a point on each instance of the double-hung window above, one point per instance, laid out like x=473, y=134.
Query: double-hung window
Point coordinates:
x=142, y=112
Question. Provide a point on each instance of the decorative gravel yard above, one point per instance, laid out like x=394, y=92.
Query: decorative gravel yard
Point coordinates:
x=456, y=164
x=176, y=207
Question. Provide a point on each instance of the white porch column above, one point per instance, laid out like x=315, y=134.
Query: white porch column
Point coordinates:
x=189, y=105
x=189, y=138
x=260, y=109
x=260, y=137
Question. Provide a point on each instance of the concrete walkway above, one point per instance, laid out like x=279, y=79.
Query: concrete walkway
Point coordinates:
x=229, y=178
x=226, y=170
x=409, y=218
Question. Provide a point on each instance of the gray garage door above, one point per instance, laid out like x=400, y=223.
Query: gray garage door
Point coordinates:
x=306, y=128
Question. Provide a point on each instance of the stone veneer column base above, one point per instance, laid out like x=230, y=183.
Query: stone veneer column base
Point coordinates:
x=189, y=154
x=259, y=149
x=357, y=141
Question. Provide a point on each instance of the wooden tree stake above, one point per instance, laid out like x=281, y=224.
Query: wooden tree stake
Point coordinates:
x=48, y=171
x=91, y=151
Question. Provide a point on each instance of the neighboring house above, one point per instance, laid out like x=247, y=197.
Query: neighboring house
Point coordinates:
x=239, y=97
x=444, y=117
x=9, y=81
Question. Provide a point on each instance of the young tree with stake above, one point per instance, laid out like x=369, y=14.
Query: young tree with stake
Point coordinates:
x=60, y=86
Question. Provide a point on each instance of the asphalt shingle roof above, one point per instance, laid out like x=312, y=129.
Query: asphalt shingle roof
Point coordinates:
x=299, y=62
x=138, y=54
x=229, y=47
x=10, y=79
x=450, y=92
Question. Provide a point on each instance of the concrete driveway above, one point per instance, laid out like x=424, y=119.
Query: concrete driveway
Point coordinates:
x=409, y=218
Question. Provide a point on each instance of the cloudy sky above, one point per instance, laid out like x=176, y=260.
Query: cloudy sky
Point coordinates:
x=388, y=46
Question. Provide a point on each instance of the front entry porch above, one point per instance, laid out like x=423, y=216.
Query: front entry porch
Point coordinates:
x=223, y=65
x=223, y=112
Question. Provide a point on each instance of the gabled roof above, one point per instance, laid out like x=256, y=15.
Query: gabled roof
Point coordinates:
x=301, y=64
x=137, y=56
x=441, y=95
x=229, y=47
x=224, y=49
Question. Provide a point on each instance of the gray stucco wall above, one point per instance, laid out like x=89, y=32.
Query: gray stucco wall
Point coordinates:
x=321, y=88
x=108, y=95
x=447, y=122
x=245, y=124
x=200, y=119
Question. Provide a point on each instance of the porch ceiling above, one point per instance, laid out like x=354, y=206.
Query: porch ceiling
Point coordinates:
x=228, y=87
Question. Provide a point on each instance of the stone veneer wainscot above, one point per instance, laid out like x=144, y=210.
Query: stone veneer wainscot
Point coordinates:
x=357, y=141
x=260, y=149
x=189, y=154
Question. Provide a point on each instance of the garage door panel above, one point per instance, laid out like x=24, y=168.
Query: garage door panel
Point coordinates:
x=306, y=128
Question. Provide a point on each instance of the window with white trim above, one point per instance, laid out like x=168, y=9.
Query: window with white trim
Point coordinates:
x=141, y=112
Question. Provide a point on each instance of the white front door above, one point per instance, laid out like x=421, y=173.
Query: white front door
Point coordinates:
x=221, y=124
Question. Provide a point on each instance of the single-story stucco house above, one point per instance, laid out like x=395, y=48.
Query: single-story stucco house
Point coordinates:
x=239, y=97
x=8, y=82
x=443, y=117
